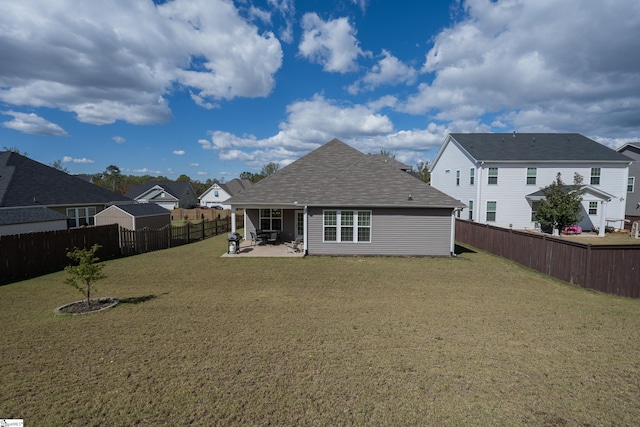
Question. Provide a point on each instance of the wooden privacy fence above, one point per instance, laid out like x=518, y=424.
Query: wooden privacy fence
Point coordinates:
x=614, y=269
x=199, y=214
x=147, y=240
x=33, y=254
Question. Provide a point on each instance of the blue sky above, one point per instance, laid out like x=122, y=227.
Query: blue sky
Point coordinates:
x=212, y=88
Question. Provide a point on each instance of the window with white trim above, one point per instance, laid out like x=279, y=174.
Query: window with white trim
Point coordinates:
x=457, y=177
x=531, y=176
x=595, y=176
x=271, y=219
x=493, y=176
x=472, y=176
x=492, y=207
x=471, y=209
x=593, y=208
x=78, y=217
x=631, y=181
x=347, y=226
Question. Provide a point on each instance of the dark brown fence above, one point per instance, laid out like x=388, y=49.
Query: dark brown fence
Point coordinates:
x=147, y=240
x=614, y=269
x=33, y=254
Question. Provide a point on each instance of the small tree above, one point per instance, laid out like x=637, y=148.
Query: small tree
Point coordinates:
x=87, y=271
x=562, y=204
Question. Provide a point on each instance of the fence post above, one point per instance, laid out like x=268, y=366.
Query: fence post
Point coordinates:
x=587, y=278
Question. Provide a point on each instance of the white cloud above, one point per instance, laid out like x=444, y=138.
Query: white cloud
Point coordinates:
x=388, y=71
x=195, y=165
x=33, y=124
x=313, y=122
x=119, y=139
x=286, y=8
x=330, y=43
x=179, y=152
x=118, y=61
x=147, y=171
x=539, y=66
x=201, y=173
x=67, y=159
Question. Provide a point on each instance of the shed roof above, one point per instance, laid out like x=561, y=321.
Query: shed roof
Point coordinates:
x=142, y=209
x=336, y=174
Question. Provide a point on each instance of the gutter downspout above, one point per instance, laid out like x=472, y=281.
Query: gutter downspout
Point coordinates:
x=305, y=242
x=453, y=233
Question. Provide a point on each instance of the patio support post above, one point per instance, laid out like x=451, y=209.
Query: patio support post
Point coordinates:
x=603, y=214
x=233, y=220
x=453, y=233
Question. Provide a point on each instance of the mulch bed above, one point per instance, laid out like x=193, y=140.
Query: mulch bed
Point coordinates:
x=81, y=307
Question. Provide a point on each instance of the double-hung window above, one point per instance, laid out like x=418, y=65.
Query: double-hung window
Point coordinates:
x=493, y=176
x=457, y=177
x=595, y=176
x=347, y=226
x=531, y=176
x=593, y=208
x=471, y=209
x=491, y=211
x=472, y=176
x=631, y=184
x=534, y=208
x=78, y=217
x=271, y=219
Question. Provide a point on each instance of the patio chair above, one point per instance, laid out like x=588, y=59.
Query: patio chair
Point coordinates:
x=254, y=239
x=295, y=246
x=273, y=238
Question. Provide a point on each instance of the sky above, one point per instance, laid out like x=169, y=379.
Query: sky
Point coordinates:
x=213, y=88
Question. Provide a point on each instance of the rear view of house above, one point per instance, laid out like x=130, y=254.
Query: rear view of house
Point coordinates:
x=340, y=201
x=217, y=195
x=168, y=194
x=632, y=150
x=499, y=176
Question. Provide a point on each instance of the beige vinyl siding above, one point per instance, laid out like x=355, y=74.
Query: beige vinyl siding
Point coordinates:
x=115, y=216
x=393, y=232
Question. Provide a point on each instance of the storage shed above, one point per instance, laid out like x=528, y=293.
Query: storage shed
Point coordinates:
x=135, y=216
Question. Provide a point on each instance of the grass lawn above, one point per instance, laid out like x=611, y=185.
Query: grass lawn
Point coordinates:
x=204, y=340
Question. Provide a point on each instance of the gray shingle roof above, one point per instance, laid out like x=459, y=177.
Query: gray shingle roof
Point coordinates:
x=542, y=147
x=25, y=182
x=336, y=174
x=174, y=188
x=29, y=215
x=235, y=186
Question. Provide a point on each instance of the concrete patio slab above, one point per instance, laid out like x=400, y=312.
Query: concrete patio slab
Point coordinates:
x=274, y=251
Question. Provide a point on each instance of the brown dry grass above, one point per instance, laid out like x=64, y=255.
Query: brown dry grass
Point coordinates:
x=205, y=340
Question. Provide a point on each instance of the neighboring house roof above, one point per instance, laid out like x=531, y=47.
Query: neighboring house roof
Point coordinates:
x=25, y=182
x=173, y=188
x=235, y=186
x=338, y=175
x=538, y=147
x=629, y=145
x=143, y=209
x=29, y=214
x=539, y=195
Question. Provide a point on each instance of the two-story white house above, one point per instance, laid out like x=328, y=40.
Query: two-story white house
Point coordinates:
x=216, y=195
x=499, y=176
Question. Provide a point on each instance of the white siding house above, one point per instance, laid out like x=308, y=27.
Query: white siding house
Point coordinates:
x=498, y=175
x=217, y=195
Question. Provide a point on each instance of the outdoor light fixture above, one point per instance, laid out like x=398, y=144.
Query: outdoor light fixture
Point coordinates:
x=409, y=198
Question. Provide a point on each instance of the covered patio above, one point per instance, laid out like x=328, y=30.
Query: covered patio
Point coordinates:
x=248, y=249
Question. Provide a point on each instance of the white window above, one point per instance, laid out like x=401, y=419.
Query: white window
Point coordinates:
x=631, y=183
x=77, y=217
x=531, y=176
x=347, y=226
x=271, y=219
x=472, y=173
x=471, y=209
x=595, y=176
x=491, y=211
x=534, y=208
x=593, y=208
x=457, y=177
x=493, y=176
x=215, y=193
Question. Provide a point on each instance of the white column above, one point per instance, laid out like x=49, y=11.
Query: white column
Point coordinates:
x=603, y=215
x=233, y=220
x=453, y=231
x=306, y=237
